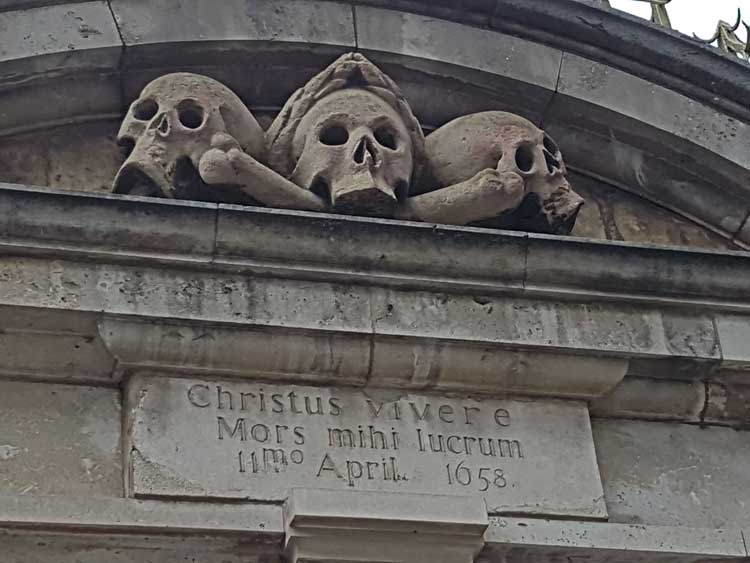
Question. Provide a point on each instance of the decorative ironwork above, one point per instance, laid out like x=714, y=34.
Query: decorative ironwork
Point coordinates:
x=659, y=14
x=727, y=40
x=725, y=37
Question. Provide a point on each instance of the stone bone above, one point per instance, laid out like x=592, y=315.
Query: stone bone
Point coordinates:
x=474, y=146
x=170, y=127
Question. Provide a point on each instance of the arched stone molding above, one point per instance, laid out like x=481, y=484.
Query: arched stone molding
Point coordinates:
x=616, y=117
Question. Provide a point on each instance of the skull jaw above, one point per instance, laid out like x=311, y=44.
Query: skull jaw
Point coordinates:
x=362, y=193
x=157, y=170
x=143, y=178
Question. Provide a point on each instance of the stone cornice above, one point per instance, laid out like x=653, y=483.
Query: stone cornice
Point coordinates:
x=345, y=249
x=183, y=287
x=586, y=27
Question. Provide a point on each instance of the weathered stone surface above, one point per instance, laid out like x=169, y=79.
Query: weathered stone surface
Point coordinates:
x=72, y=348
x=219, y=439
x=370, y=246
x=652, y=139
x=669, y=474
x=650, y=268
x=734, y=332
x=76, y=36
x=42, y=106
x=666, y=111
x=33, y=547
x=614, y=214
x=121, y=223
x=265, y=47
x=37, y=529
x=547, y=541
x=652, y=399
x=728, y=401
x=131, y=516
x=83, y=158
x=743, y=234
x=525, y=72
x=442, y=299
x=237, y=20
x=59, y=440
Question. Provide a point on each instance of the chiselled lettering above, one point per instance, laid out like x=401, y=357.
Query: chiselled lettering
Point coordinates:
x=239, y=439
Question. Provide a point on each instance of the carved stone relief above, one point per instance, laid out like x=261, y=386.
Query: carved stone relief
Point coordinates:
x=346, y=142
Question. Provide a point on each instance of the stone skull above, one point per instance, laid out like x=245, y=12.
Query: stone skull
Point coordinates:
x=353, y=149
x=170, y=126
x=509, y=143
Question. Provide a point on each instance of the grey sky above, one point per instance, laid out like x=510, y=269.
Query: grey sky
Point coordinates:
x=692, y=16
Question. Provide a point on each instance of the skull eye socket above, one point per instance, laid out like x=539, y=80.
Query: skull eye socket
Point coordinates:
x=144, y=110
x=550, y=145
x=334, y=135
x=190, y=114
x=524, y=158
x=386, y=137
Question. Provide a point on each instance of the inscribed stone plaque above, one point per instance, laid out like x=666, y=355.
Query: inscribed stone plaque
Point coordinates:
x=235, y=440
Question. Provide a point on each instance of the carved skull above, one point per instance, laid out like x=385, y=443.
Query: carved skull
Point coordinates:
x=508, y=142
x=170, y=126
x=353, y=149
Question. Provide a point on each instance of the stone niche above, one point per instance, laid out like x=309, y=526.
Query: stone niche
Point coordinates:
x=287, y=281
x=346, y=142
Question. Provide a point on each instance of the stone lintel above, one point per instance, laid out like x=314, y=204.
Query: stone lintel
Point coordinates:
x=356, y=359
x=348, y=526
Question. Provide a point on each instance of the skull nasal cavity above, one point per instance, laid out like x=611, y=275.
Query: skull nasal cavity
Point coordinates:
x=524, y=159
x=190, y=114
x=145, y=110
x=359, y=152
x=334, y=135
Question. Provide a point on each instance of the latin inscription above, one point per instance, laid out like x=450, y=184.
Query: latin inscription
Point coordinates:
x=241, y=440
x=367, y=452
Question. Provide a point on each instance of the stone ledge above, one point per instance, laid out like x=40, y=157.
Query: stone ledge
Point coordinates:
x=128, y=229
x=127, y=516
x=515, y=538
x=601, y=543
x=74, y=37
